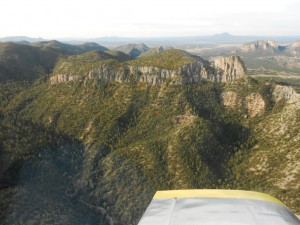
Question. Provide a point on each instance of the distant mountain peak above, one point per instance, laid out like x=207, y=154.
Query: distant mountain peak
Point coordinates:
x=134, y=50
x=90, y=44
x=23, y=42
x=20, y=39
x=51, y=43
x=224, y=37
x=225, y=34
x=70, y=49
x=261, y=46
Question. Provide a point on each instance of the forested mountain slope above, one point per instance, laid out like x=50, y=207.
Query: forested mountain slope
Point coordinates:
x=93, y=152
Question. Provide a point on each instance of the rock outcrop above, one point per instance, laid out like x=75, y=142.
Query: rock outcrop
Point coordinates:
x=230, y=68
x=255, y=104
x=190, y=73
x=286, y=94
x=269, y=48
x=257, y=46
x=294, y=48
x=225, y=69
x=134, y=50
x=230, y=100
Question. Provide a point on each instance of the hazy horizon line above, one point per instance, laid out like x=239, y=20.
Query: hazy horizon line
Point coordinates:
x=137, y=37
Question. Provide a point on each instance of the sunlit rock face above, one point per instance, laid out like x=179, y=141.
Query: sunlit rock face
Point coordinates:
x=229, y=68
x=223, y=69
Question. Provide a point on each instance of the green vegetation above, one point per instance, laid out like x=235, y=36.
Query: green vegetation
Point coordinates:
x=68, y=49
x=119, y=55
x=82, y=64
x=133, y=50
x=270, y=164
x=293, y=82
x=272, y=69
x=272, y=65
x=169, y=59
x=109, y=147
x=25, y=63
x=74, y=153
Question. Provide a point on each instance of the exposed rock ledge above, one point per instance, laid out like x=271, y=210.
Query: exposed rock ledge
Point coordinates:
x=226, y=69
x=253, y=103
x=231, y=67
x=286, y=94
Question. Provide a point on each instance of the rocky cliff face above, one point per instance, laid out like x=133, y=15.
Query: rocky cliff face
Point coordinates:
x=253, y=103
x=265, y=48
x=230, y=68
x=100, y=153
x=294, y=48
x=260, y=46
x=287, y=94
x=225, y=69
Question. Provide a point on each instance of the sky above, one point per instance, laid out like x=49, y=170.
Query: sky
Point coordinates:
x=147, y=18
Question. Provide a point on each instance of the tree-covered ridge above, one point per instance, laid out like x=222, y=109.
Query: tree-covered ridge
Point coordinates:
x=135, y=139
x=168, y=59
x=102, y=150
x=68, y=49
x=25, y=63
x=83, y=63
x=133, y=50
x=19, y=62
x=93, y=56
x=121, y=56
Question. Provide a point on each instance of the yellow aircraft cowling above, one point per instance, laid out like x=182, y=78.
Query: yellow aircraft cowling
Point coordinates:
x=216, y=207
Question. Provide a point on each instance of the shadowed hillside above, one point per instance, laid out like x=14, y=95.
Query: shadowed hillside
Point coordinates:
x=134, y=50
x=24, y=62
x=64, y=48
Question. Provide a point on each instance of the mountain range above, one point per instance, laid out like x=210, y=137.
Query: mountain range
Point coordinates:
x=19, y=61
x=21, y=39
x=271, y=60
x=87, y=137
x=164, y=41
x=270, y=48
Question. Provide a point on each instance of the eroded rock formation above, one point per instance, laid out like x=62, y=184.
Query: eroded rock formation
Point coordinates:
x=255, y=104
x=286, y=94
x=230, y=68
x=225, y=69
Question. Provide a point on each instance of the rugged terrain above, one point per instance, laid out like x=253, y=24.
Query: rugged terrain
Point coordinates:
x=265, y=60
x=170, y=66
x=92, y=140
x=269, y=60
